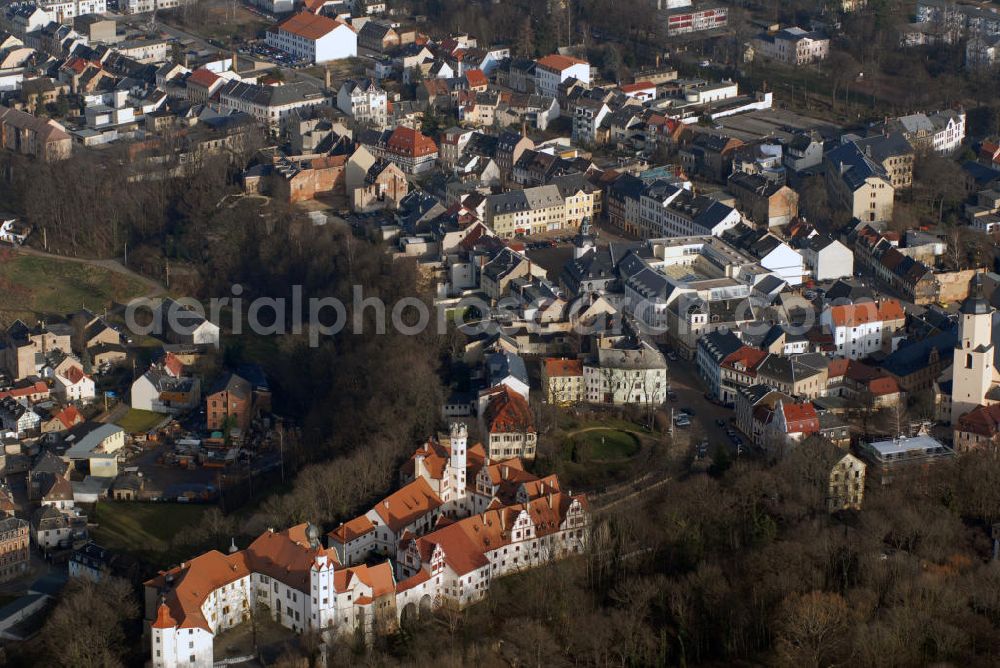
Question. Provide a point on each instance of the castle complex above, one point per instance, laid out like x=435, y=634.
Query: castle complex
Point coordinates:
x=458, y=521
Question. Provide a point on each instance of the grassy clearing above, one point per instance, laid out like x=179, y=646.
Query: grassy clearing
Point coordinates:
x=31, y=285
x=606, y=454
x=608, y=445
x=136, y=420
x=143, y=529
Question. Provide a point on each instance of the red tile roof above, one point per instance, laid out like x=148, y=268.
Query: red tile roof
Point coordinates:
x=352, y=529
x=508, y=412
x=466, y=543
x=421, y=577
x=407, y=504
x=838, y=367
x=882, y=386
x=803, y=411
x=163, y=618
x=981, y=420
x=558, y=63
x=853, y=315
x=286, y=556
x=74, y=374
x=310, y=26
x=313, y=6
x=558, y=367
x=749, y=358
x=508, y=470
x=637, y=86
x=203, y=77
x=435, y=457
x=800, y=418
x=69, y=416
x=77, y=65
x=409, y=142
x=476, y=78
x=38, y=387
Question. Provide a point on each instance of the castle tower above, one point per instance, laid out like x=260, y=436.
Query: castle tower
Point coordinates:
x=321, y=580
x=163, y=637
x=458, y=461
x=973, y=372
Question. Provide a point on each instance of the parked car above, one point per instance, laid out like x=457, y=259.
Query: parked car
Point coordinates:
x=671, y=395
x=682, y=421
x=688, y=411
x=719, y=422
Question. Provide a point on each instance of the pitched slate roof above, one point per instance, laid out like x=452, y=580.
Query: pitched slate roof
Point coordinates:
x=501, y=365
x=650, y=284
x=271, y=96
x=911, y=357
x=854, y=166
x=720, y=344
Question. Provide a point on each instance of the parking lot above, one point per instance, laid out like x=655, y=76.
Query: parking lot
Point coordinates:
x=264, y=51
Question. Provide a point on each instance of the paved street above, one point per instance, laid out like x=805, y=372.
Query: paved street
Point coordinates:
x=684, y=380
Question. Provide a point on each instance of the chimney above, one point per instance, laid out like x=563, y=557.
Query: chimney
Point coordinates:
x=326, y=76
x=503, y=520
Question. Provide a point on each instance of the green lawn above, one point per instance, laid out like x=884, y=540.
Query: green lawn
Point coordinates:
x=143, y=529
x=608, y=444
x=30, y=285
x=136, y=421
x=592, y=460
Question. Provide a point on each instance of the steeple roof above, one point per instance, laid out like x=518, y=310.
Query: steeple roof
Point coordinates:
x=976, y=303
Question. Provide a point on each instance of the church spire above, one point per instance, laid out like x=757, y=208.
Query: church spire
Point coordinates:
x=976, y=303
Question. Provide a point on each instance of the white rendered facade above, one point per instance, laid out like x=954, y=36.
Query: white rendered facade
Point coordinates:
x=64, y=10
x=973, y=371
x=524, y=521
x=547, y=78
x=339, y=43
x=365, y=102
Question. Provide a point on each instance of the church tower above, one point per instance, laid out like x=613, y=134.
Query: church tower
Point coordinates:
x=584, y=241
x=973, y=371
x=457, y=463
